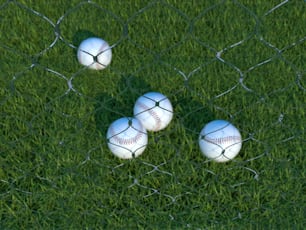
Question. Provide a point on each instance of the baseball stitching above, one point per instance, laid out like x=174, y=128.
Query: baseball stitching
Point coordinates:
x=223, y=140
x=125, y=141
x=153, y=114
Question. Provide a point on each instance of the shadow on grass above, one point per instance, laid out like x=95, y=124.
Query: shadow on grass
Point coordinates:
x=193, y=114
x=109, y=108
x=80, y=36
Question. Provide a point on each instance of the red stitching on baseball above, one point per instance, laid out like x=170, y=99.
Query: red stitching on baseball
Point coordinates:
x=153, y=114
x=125, y=141
x=223, y=140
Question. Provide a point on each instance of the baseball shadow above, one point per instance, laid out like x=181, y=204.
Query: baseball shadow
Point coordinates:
x=193, y=114
x=109, y=108
x=80, y=36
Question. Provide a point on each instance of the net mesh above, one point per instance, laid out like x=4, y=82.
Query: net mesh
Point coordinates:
x=55, y=113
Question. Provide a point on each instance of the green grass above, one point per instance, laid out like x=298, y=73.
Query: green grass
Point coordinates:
x=56, y=171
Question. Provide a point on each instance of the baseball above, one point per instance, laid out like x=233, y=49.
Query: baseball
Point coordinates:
x=220, y=141
x=127, y=138
x=154, y=111
x=94, y=53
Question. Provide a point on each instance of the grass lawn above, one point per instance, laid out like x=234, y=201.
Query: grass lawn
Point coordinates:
x=231, y=60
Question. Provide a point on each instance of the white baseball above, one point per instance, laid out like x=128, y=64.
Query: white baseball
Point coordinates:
x=154, y=110
x=94, y=53
x=220, y=141
x=127, y=138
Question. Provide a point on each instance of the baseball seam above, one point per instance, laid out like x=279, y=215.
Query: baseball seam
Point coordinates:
x=223, y=140
x=125, y=141
x=153, y=114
